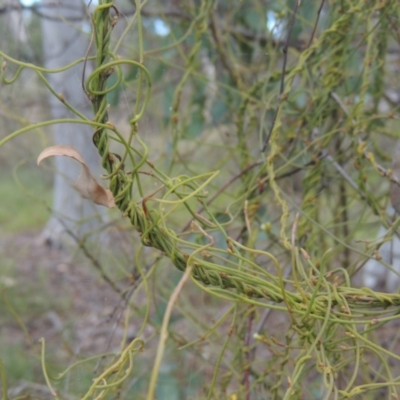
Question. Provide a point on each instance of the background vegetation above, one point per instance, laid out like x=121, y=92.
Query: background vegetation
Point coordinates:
x=249, y=148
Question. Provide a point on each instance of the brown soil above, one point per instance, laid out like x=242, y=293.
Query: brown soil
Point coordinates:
x=59, y=297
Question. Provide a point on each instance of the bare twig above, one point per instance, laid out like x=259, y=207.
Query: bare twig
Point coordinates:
x=248, y=354
x=316, y=23
x=89, y=255
x=164, y=332
x=282, y=85
x=246, y=216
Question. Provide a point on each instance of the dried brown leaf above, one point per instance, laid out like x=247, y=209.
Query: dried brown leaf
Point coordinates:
x=86, y=184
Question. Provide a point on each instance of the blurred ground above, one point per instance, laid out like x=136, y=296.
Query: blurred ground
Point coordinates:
x=60, y=296
x=55, y=296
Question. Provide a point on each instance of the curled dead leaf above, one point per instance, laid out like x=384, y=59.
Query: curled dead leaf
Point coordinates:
x=86, y=184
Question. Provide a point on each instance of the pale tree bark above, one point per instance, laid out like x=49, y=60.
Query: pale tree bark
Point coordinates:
x=15, y=20
x=375, y=274
x=65, y=40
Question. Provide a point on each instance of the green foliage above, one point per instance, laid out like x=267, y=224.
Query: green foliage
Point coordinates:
x=244, y=125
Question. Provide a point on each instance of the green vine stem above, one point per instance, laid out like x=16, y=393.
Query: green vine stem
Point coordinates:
x=325, y=312
x=150, y=223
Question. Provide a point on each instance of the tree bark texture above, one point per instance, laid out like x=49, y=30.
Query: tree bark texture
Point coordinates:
x=66, y=38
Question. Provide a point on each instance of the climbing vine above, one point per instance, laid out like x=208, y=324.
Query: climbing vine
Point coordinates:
x=249, y=234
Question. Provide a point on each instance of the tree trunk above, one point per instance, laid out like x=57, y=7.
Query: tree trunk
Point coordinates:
x=64, y=41
x=375, y=274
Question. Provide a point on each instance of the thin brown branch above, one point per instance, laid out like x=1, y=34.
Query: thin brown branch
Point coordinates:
x=95, y=262
x=282, y=85
x=316, y=23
